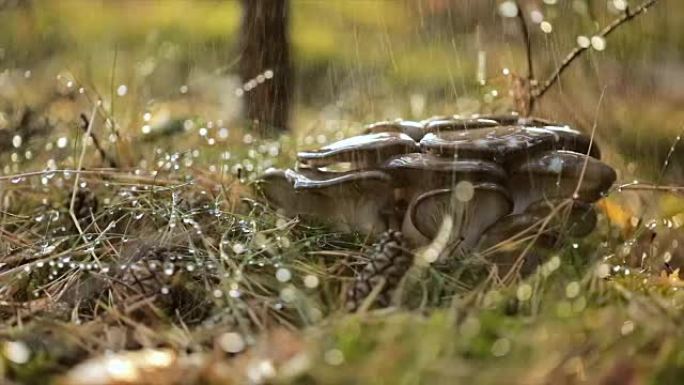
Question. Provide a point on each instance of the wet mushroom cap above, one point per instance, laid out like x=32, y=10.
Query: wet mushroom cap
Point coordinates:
x=516, y=120
x=429, y=171
x=506, y=144
x=456, y=124
x=559, y=174
x=322, y=181
x=277, y=187
x=473, y=209
x=412, y=129
x=364, y=150
x=352, y=201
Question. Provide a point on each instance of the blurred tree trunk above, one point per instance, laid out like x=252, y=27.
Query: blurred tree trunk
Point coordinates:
x=265, y=64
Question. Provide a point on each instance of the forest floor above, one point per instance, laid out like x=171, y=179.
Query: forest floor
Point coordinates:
x=178, y=273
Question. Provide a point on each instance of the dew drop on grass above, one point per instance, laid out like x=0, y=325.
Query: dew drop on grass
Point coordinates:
x=311, y=281
x=283, y=275
x=231, y=342
x=598, y=43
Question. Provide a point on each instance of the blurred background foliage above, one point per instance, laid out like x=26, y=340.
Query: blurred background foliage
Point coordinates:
x=357, y=61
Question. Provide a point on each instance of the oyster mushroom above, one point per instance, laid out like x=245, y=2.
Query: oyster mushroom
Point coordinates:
x=363, y=151
x=505, y=144
x=472, y=207
x=559, y=174
x=458, y=124
x=413, y=174
x=412, y=129
x=351, y=201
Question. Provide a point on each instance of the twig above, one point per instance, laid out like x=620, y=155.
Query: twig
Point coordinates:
x=528, y=53
x=74, y=191
x=528, y=42
x=96, y=143
x=668, y=158
x=575, y=53
x=575, y=195
x=639, y=186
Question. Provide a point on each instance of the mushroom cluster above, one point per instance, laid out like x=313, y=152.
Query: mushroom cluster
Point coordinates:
x=494, y=176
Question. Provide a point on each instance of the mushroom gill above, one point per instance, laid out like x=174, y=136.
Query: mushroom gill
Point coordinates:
x=472, y=208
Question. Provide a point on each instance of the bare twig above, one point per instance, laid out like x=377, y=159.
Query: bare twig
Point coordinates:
x=639, y=186
x=96, y=143
x=575, y=195
x=578, y=51
x=74, y=191
x=528, y=53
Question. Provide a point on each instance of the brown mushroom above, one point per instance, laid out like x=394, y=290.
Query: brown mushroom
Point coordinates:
x=472, y=207
x=559, y=174
x=412, y=129
x=352, y=201
x=363, y=151
x=458, y=124
x=413, y=174
x=506, y=143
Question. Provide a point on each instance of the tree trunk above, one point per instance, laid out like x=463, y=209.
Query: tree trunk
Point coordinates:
x=265, y=64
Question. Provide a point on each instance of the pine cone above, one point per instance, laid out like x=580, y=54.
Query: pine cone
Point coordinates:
x=389, y=263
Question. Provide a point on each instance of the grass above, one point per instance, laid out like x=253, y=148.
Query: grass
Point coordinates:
x=177, y=256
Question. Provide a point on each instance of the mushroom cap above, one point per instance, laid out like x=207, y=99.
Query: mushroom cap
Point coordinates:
x=277, y=186
x=363, y=150
x=472, y=212
x=557, y=174
x=577, y=219
x=352, y=201
x=338, y=183
x=429, y=171
x=458, y=124
x=507, y=143
x=410, y=128
x=516, y=120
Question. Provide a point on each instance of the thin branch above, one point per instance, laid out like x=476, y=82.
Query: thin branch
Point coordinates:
x=74, y=190
x=528, y=52
x=650, y=187
x=96, y=143
x=528, y=42
x=577, y=52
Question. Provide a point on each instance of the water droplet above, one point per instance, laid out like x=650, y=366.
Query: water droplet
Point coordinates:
x=508, y=9
x=598, y=43
x=311, y=281
x=283, y=274
x=231, y=342
x=16, y=141
x=122, y=90
x=583, y=41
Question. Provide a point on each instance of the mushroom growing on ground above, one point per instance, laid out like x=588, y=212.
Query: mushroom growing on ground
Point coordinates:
x=494, y=176
x=352, y=201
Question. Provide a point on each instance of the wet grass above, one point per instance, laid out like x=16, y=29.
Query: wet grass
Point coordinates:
x=177, y=256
